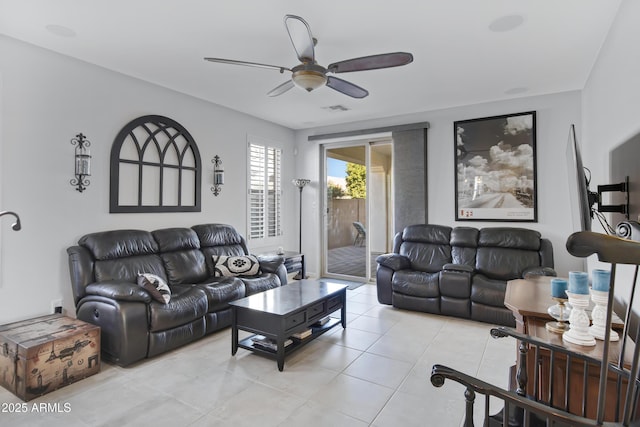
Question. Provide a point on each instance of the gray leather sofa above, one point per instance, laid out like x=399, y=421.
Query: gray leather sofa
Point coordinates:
x=105, y=266
x=461, y=271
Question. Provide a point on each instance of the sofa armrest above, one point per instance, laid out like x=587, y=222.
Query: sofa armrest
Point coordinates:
x=455, y=282
x=461, y=268
x=118, y=290
x=538, y=271
x=270, y=263
x=394, y=261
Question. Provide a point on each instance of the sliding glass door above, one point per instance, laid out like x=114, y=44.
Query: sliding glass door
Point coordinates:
x=357, y=207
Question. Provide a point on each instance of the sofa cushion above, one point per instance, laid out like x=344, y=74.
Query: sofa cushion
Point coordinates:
x=465, y=237
x=187, y=266
x=119, y=290
x=127, y=268
x=229, y=266
x=217, y=235
x=186, y=305
x=487, y=291
x=264, y=282
x=455, y=284
x=416, y=283
x=181, y=255
x=119, y=244
x=463, y=256
x=509, y=237
x=426, y=256
x=394, y=261
x=176, y=239
x=271, y=263
x=464, y=243
x=427, y=233
x=503, y=263
x=426, y=246
x=155, y=286
x=222, y=290
x=219, y=239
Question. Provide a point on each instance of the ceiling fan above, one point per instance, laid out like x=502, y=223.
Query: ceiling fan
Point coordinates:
x=309, y=75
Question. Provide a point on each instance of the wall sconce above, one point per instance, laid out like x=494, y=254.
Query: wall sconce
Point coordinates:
x=218, y=175
x=82, y=162
x=16, y=225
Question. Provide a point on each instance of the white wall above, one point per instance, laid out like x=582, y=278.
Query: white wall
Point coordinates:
x=610, y=105
x=554, y=115
x=46, y=100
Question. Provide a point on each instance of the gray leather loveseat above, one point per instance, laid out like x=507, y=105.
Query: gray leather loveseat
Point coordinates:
x=461, y=271
x=106, y=267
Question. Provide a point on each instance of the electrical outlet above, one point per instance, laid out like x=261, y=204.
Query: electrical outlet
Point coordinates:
x=56, y=306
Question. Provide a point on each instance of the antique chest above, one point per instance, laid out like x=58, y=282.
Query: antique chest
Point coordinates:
x=43, y=354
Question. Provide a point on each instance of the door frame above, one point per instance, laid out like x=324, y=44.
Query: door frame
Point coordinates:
x=366, y=141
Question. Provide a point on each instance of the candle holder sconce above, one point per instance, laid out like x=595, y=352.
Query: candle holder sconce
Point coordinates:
x=82, y=162
x=218, y=175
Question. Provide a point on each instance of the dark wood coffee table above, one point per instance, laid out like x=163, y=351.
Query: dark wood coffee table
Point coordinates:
x=281, y=312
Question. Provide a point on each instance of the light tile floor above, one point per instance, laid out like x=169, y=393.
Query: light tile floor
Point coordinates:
x=375, y=373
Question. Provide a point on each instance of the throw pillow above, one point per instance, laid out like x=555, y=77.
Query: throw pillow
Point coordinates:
x=246, y=265
x=157, y=288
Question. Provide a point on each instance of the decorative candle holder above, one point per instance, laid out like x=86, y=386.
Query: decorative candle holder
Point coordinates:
x=599, y=316
x=560, y=312
x=600, y=280
x=579, y=282
x=82, y=162
x=578, y=332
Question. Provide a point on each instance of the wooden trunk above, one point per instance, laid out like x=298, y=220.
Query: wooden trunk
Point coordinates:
x=46, y=353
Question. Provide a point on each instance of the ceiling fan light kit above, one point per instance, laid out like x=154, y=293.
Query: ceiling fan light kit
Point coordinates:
x=309, y=75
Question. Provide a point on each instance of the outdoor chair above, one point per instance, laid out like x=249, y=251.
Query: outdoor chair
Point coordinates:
x=615, y=384
x=361, y=234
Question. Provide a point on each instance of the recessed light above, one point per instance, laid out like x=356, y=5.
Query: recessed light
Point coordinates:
x=60, y=30
x=506, y=23
x=516, y=90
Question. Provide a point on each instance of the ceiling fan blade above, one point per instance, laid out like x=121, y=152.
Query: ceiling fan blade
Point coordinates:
x=301, y=38
x=280, y=89
x=373, y=62
x=248, y=64
x=346, y=87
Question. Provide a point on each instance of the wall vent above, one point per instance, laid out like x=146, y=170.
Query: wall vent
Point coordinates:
x=337, y=107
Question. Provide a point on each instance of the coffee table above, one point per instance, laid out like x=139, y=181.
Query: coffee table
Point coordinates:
x=282, y=312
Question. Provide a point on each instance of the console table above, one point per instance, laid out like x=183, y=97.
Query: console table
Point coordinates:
x=529, y=300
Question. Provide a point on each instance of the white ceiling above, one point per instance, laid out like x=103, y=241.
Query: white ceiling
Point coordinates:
x=458, y=60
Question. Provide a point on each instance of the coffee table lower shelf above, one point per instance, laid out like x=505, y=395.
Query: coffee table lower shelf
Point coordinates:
x=248, y=344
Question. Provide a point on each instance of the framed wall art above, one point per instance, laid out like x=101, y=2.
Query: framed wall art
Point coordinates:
x=496, y=168
x=155, y=167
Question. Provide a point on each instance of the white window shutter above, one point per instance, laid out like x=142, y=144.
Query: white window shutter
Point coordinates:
x=265, y=191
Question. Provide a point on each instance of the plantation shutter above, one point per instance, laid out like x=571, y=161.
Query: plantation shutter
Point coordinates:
x=265, y=191
x=275, y=193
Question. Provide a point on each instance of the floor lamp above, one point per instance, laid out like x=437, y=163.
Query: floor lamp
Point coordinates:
x=300, y=183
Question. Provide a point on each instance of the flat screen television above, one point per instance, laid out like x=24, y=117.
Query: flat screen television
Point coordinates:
x=582, y=199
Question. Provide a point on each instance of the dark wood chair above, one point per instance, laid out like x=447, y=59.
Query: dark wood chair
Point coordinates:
x=614, y=401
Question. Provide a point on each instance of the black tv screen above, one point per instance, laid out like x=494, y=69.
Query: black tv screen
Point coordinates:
x=579, y=194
